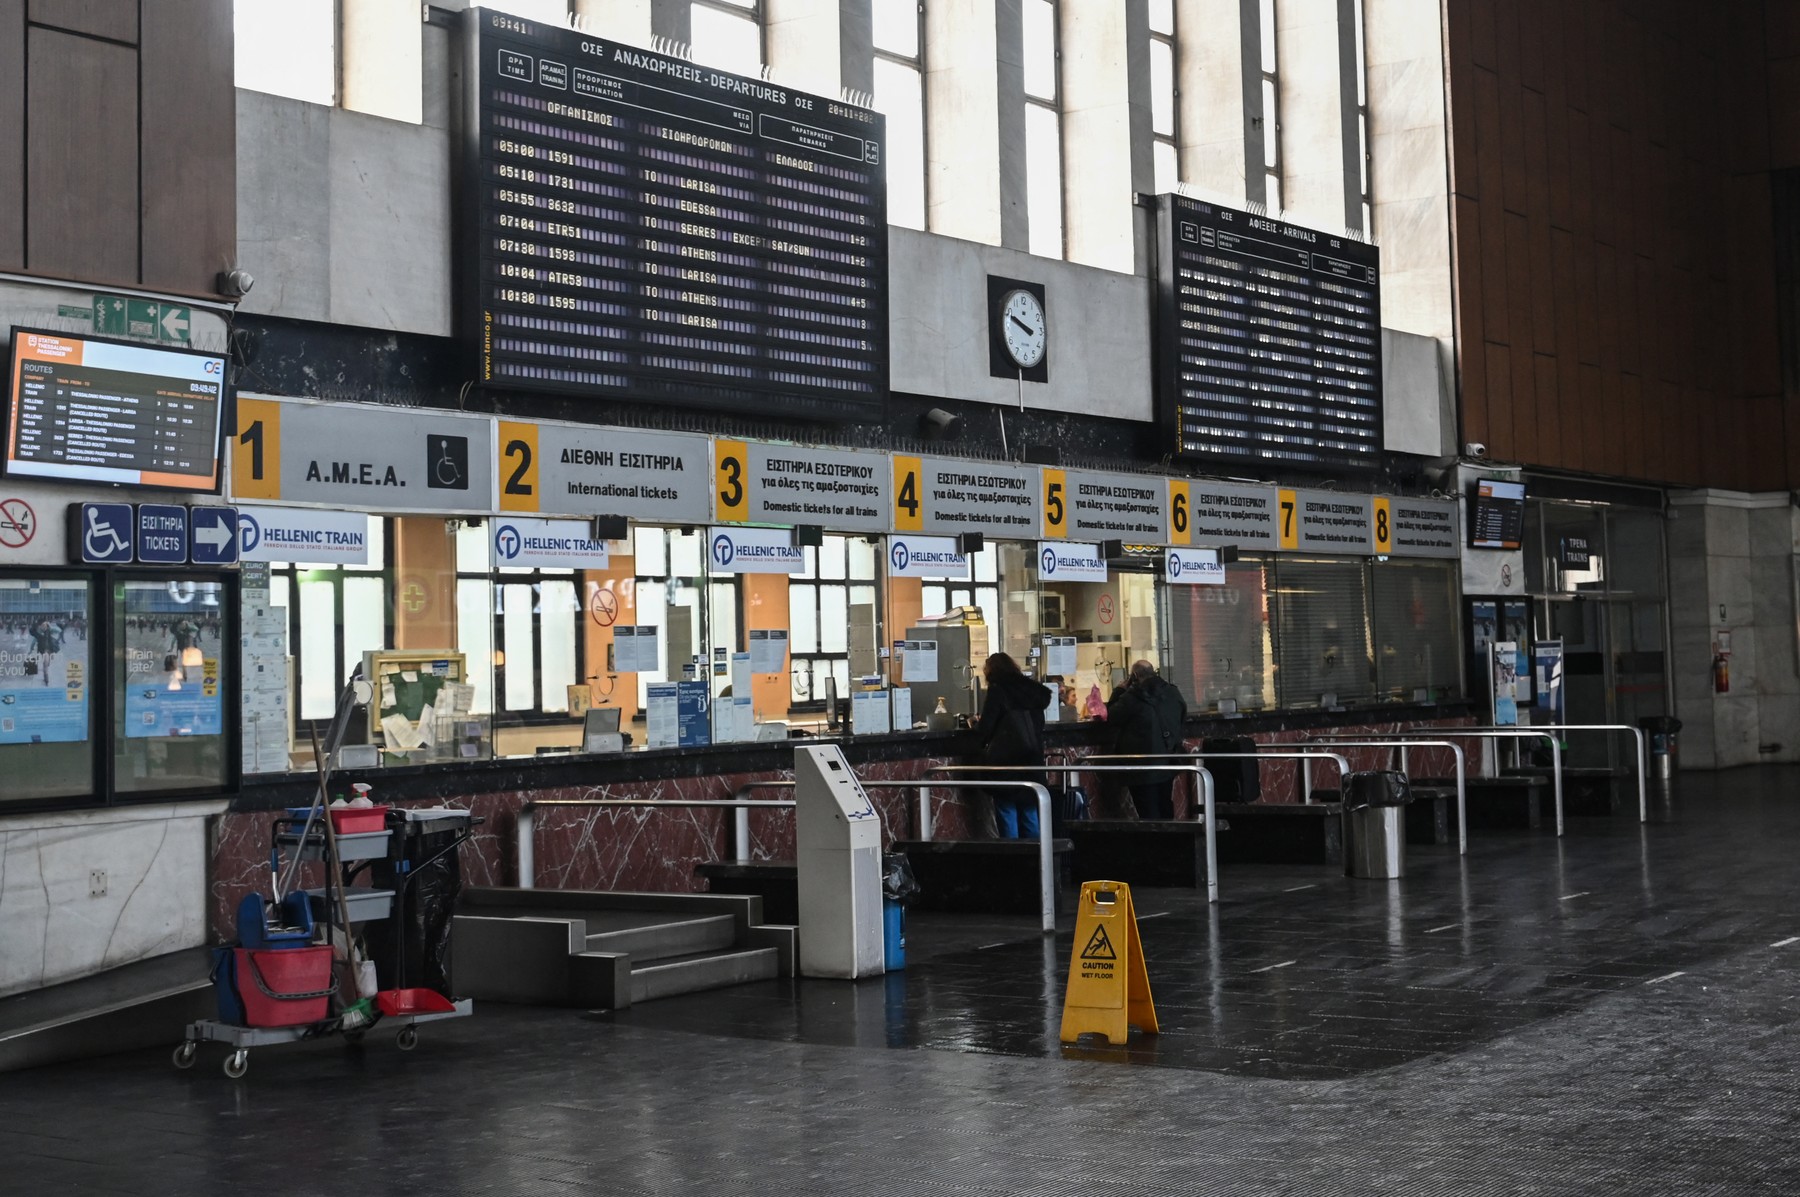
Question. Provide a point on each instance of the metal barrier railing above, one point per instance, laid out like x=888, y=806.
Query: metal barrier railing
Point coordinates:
x=527, y=829
x=1401, y=739
x=1643, y=753
x=1305, y=757
x=1202, y=781
x=1462, y=768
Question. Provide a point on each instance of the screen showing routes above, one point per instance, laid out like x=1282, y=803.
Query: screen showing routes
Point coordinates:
x=1270, y=339
x=639, y=225
x=113, y=411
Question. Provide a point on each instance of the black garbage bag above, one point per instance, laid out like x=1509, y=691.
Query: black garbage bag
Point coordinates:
x=1376, y=787
x=412, y=946
x=897, y=880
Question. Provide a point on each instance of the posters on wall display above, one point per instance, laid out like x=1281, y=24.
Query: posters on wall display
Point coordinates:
x=44, y=672
x=173, y=638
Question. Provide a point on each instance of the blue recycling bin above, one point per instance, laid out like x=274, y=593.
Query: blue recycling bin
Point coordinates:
x=893, y=933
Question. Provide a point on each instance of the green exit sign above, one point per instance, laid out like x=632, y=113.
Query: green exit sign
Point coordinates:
x=147, y=319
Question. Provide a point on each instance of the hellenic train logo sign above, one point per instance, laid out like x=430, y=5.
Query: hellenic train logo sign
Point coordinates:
x=1049, y=563
x=508, y=542
x=723, y=550
x=899, y=555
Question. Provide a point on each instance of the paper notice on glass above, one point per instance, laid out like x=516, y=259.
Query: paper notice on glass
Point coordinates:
x=427, y=726
x=740, y=674
x=662, y=719
x=625, y=648
x=649, y=656
x=400, y=732
x=901, y=700
x=387, y=694
x=869, y=713
x=1059, y=656
x=921, y=661
x=768, y=650
x=462, y=697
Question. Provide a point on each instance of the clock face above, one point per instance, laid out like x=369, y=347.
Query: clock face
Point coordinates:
x=1023, y=329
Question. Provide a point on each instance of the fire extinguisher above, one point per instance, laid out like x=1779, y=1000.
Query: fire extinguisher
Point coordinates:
x=1721, y=669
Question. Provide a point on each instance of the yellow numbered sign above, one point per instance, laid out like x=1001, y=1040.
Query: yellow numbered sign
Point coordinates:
x=518, y=467
x=1056, y=503
x=1109, y=987
x=731, y=482
x=256, y=450
x=909, y=506
x=1382, y=525
x=1287, y=511
x=1181, y=518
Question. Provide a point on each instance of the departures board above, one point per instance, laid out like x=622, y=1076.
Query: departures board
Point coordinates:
x=1268, y=340
x=640, y=226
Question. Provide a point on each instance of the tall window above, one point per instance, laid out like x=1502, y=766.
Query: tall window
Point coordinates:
x=728, y=34
x=832, y=616
x=1043, y=129
x=900, y=95
x=335, y=614
x=1362, y=122
x=1271, y=112
x=1164, y=96
x=287, y=49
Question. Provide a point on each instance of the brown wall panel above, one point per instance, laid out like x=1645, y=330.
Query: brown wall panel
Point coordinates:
x=116, y=20
x=12, y=134
x=1479, y=17
x=1551, y=438
x=1499, y=434
x=189, y=145
x=81, y=157
x=1470, y=347
x=1526, y=427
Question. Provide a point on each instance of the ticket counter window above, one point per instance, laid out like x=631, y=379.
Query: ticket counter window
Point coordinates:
x=1320, y=611
x=834, y=621
x=1413, y=606
x=46, y=672
x=1220, y=651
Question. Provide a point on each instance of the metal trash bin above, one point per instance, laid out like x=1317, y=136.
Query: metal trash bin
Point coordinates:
x=1665, y=745
x=1375, y=824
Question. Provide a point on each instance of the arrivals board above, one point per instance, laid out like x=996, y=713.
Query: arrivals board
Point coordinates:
x=1269, y=339
x=89, y=410
x=637, y=225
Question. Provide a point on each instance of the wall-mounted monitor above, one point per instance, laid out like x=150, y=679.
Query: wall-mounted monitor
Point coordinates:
x=84, y=409
x=1497, y=515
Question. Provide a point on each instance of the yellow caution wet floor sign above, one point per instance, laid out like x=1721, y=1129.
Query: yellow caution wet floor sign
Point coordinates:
x=1109, y=988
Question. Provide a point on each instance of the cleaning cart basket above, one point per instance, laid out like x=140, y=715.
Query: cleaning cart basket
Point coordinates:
x=276, y=984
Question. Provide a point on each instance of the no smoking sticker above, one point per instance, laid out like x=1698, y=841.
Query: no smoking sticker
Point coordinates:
x=18, y=523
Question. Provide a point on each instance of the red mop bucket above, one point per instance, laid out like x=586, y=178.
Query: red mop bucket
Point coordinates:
x=286, y=988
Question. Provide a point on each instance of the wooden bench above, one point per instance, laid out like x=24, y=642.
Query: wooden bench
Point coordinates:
x=776, y=882
x=1430, y=815
x=982, y=876
x=1588, y=792
x=1499, y=803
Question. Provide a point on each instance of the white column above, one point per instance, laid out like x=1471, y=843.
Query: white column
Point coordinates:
x=1308, y=70
x=382, y=58
x=821, y=46
x=1214, y=123
x=1106, y=132
x=975, y=121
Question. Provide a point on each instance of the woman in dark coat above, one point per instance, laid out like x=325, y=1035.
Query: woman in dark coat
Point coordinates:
x=1145, y=718
x=1011, y=732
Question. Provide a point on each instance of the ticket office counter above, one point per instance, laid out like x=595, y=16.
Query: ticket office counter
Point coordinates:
x=534, y=648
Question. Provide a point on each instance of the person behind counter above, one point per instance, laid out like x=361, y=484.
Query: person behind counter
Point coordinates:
x=1011, y=733
x=1145, y=716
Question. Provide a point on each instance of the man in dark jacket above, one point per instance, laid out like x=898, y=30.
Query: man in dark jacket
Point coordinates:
x=1145, y=716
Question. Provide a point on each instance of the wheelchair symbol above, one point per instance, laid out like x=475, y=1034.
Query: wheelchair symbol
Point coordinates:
x=103, y=540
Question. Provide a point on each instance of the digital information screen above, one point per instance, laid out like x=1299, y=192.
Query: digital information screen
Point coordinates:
x=113, y=411
x=645, y=227
x=1497, y=515
x=1269, y=339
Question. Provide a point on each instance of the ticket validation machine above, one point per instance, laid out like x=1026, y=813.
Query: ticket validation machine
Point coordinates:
x=837, y=842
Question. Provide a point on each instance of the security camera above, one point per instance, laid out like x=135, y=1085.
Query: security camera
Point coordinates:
x=235, y=283
x=938, y=423
x=1475, y=449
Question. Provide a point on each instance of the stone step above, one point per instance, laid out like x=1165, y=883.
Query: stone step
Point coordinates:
x=665, y=940
x=695, y=973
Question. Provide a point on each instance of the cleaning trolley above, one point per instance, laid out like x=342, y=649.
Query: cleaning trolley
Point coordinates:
x=301, y=967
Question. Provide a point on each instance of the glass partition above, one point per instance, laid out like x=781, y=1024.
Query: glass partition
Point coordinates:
x=46, y=674
x=173, y=640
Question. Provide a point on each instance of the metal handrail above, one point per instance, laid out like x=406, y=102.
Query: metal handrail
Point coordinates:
x=527, y=849
x=1402, y=739
x=1643, y=754
x=1202, y=779
x=1304, y=756
x=1462, y=806
x=1046, y=848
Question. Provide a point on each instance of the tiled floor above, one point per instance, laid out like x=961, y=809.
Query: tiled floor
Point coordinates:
x=1605, y=1014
